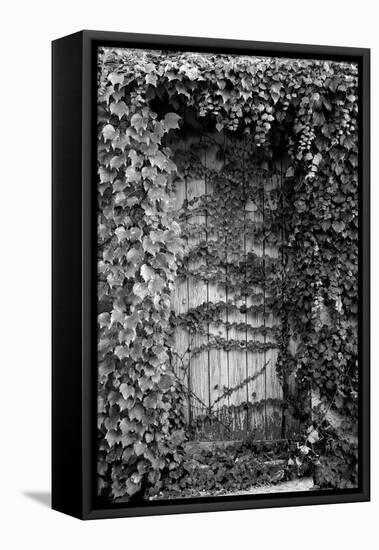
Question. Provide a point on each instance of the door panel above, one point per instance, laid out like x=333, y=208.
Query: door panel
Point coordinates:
x=231, y=351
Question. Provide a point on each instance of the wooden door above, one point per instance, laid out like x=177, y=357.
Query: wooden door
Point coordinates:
x=225, y=336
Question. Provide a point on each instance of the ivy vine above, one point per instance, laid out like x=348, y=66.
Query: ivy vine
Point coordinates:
x=306, y=108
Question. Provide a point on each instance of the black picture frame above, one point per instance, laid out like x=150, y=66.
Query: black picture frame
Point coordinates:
x=74, y=268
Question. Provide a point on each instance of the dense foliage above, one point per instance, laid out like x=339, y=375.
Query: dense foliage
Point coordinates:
x=234, y=468
x=305, y=107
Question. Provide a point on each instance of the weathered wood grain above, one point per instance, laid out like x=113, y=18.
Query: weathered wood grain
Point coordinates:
x=197, y=295
x=256, y=388
x=237, y=337
x=181, y=353
x=213, y=369
x=273, y=387
x=218, y=358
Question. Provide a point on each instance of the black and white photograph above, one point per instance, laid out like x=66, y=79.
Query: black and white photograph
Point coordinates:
x=227, y=275
x=189, y=232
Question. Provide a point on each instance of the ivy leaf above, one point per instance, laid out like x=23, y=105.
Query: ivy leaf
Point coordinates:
x=137, y=160
x=225, y=94
x=103, y=319
x=145, y=384
x=151, y=79
x=112, y=437
x=134, y=255
x=131, y=321
x=117, y=161
x=117, y=317
x=136, y=478
x=165, y=382
x=149, y=437
x=109, y=132
x=333, y=84
x=156, y=284
x=105, y=94
x=304, y=449
x=131, y=487
x=158, y=236
x=159, y=160
x=132, y=174
x=139, y=448
x=106, y=176
x=126, y=336
x=127, y=438
x=348, y=142
x=137, y=412
x=246, y=95
x=338, y=226
x=116, y=78
x=181, y=89
x=119, y=109
x=325, y=224
x=120, y=141
x=275, y=91
x=135, y=233
x=121, y=352
x=150, y=401
x=171, y=121
x=105, y=368
x=150, y=246
x=290, y=172
x=127, y=390
x=313, y=437
x=149, y=67
x=141, y=290
x=138, y=122
x=121, y=233
x=190, y=71
x=147, y=273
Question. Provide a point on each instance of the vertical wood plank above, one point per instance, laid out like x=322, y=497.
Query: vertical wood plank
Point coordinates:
x=219, y=367
x=218, y=359
x=255, y=359
x=274, y=393
x=181, y=355
x=236, y=335
x=197, y=295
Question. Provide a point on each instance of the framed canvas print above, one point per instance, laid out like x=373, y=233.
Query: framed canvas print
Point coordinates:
x=210, y=274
